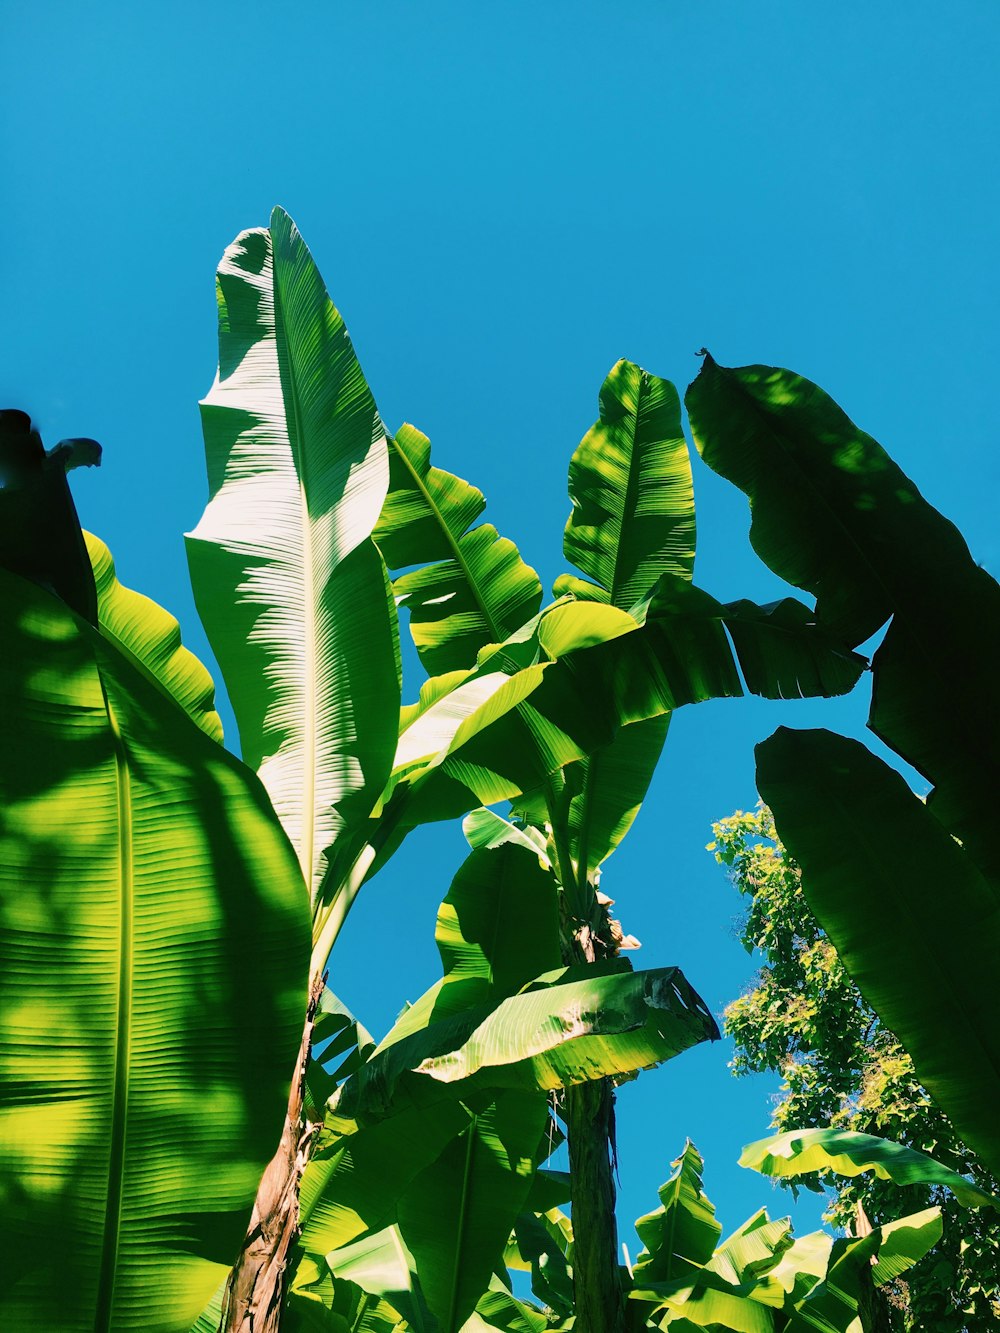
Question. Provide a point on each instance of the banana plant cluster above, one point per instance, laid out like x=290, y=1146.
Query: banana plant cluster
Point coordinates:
x=166, y=1020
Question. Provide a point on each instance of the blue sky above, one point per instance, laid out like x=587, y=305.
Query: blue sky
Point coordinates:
x=504, y=200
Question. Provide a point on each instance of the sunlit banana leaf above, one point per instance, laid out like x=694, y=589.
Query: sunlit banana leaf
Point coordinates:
x=682, y=1233
x=904, y=1243
x=916, y=924
x=542, y=1245
x=831, y=1306
x=473, y=588
x=633, y=498
x=292, y=591
x=319, y=1303
x=151, y=638
x=832, y=513
x=498, y=1309
x=573, y=1025
x=153, y=957
x=799, y=1152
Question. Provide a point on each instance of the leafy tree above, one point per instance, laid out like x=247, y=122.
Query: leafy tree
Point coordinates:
x=806, y=1020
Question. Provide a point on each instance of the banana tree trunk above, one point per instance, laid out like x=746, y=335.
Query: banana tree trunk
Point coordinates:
x=589, y=1115
x=255, y=1291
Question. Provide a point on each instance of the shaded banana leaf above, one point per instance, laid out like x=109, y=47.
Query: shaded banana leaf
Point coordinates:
x=151, y=639
x=799, y=1152
x=746, y=1258
x=834, y=514
x=40, y=536
x=542, y=1248
x=319, y=1303
x=382, y=1265
x=142, y=867
x=633, y=497
x=901, y=880
x=473, y=587
x=340, y=1045
x=352, y=1184
x=292, y=591
x=457, y=1214
x=680, y=1236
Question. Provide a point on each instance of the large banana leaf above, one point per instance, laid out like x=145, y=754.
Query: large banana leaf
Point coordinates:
x=834, y=514
x=145, y=887
x=915, y=922
x=798, y=1152
x=291, y=589
x=151, y=638
x=633, y=498
x=473, y=588
x=580, y=1023
x=457, y=1214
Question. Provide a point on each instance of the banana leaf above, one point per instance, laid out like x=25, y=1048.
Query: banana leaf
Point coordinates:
x=142, y=873
x=291, y=589
x=832, y=513
x=472, y=587
x=633, y=497
x=151, y=639
x=798, y=1152
x=914, y=921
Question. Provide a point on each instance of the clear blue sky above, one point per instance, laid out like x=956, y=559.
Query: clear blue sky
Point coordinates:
x=504, y=199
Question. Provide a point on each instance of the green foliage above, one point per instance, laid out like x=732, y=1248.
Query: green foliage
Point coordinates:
x=761, y=1279
x=806, y=1020
x=833, y=513
x=141, y=873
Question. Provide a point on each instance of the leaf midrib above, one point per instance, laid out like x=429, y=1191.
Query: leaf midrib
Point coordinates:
x=454, y=545
x=116, y=1154
x=299, y=456
x=463, y=1211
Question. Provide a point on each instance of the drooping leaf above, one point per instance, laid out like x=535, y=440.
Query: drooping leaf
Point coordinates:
x=633, y=498
x=576, y=1024
x=485, y=828
x=291, y=589
x=473, y=587
x=40, y=536
x=901, y=880
x=799, y=1152
x=904, y=1243
x=151, y=638
x=831, y=1306
x=498, y=1309
x=544, y=1249
x=153, y=958
x=832, y=513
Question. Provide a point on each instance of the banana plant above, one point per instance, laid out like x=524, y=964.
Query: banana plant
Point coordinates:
x=143, y=878
x=834, y=514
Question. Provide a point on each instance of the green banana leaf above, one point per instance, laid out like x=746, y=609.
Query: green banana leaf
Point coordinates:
x=633, y=497
x=292, y=592
x=580, y=1023
x=382, y=1266
x=151, y=639
x=904, y=1243
x=681, y=1235
x=831, y=1306
x=319, y=1303
x=542, y=1245
x=798, y=1152
x=746, y=1258
x=457, y=1214
x=145, y=887
x=832, y=513
x=473, y=588
x=916, y=924
x=498, y=1309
